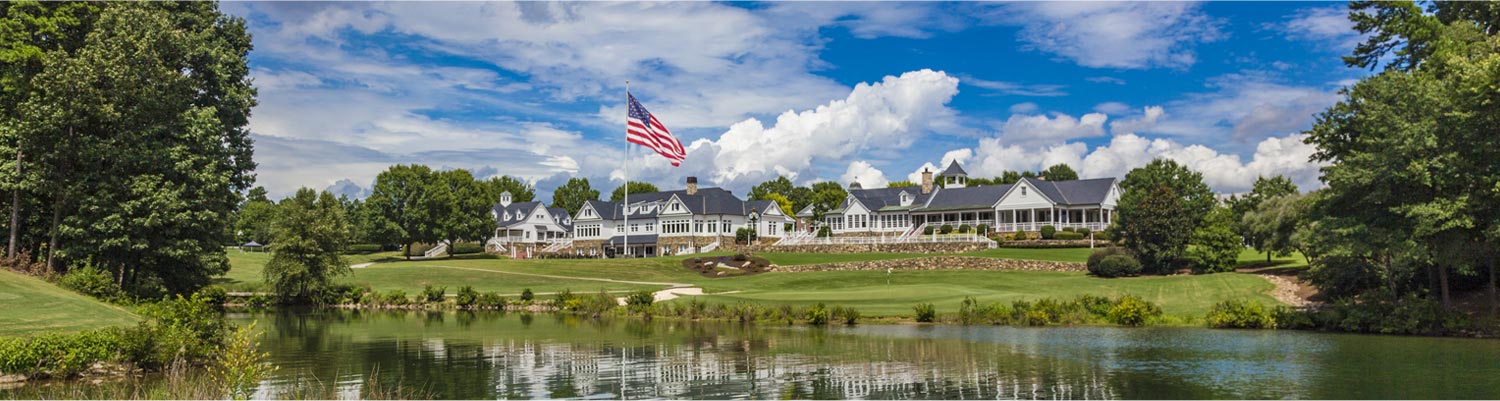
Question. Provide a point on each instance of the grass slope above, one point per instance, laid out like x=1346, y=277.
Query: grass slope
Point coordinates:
x=34, y=306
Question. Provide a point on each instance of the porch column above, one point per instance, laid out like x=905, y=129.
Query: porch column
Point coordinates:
x=1013, y=220
x=1033, y=219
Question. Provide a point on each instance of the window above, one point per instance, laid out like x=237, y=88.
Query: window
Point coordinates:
x=1023, y=191
x=725, y=225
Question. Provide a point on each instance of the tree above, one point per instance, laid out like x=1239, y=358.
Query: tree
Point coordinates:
x=1154, y=224
x=636, y=187
x=1274, y=223
x=519, y=190
x=780, y=185
x=254, y=222
x=146, y=146
x=786, y=204
x=826, y=196
x=257, y=194
x=1059, y=172
x=462, y=207
x=1214, y=247
x=573, y=194
x=1263, y=189
x=900, y=184
x=310, y=235
x=402, y=207
x=1012, y=177
x=1197, y=198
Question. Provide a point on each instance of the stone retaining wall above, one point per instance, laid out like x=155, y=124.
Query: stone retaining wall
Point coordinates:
x=910, y=247
x=942, y=263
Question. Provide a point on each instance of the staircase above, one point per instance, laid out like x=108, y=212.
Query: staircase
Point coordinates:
x=439, y=249
x=499, y=246
x=558, y=246
x=915, y=231
x=709, y=248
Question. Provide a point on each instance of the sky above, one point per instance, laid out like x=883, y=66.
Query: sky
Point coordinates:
x=868, y=92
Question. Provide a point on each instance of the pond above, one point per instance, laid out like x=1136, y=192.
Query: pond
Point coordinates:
x=489, y=355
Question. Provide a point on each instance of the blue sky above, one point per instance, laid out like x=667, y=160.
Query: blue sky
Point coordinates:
x=872, y=92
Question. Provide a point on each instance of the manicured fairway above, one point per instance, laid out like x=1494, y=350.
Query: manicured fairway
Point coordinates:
x=33, y=306
x=878, y=293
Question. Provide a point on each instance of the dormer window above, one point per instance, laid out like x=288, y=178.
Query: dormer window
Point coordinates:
x=905, y=199
x=507, y=215
x=1023, y=191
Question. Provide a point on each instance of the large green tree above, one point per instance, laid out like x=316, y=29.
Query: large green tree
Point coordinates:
x=402, y=207
x=310, y=235
x=1197, y=198
x=1214, y=247
x=254, y=221
x=573, y=194
x=1273, y=224
x=826, y=196
x=519, y=190
x=145, y=148
x=636, y=187
x=462, y=207
x=1164, y=204
x=1059, y=172
x=1264, y=188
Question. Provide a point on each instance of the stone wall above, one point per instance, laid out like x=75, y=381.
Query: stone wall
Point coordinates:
x=941, y=263
x=910, y=247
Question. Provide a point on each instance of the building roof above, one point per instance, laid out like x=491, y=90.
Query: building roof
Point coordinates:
x=1074, y=192
x=954, y=170
x=982, y=197
x=634, y=239
x=889, y=199
x=707, y=201
x=563, y=218
x=517, y=212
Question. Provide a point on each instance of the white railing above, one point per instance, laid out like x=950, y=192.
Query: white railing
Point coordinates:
x=709, y=247
x=1013, y=227
x=499, y=246
x=558, y=245
x=863, y=240
x=439, y=249
x=914, y=231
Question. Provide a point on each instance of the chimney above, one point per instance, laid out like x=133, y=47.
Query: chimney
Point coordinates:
x=926, y=181
x=692, y=185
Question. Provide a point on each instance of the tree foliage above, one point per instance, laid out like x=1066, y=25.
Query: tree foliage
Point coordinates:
x=1272, y=226
x=1214, y=247
x=1154, y=224
x=401, y=207
x=573, y=194
x=636, y=187
x=310, y=234
x=1059, y=172
x=462, y=206
x=900, y=184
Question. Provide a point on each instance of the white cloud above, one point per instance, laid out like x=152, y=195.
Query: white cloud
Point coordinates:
x=916, y=175
x=1146, y=120
x=1329, y=27
x=867, y=175
x=1012, y=88
x=1030, y=130
x=1106, y=80
x=1134, y=35
x=887, y=115
x=1247, y=107
x=1115, y=108
x=1023, y=108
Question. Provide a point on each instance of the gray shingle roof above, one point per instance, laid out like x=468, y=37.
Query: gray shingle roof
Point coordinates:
x=965, y=198
x=563, y=218
x=517, y=212
x=634, y=239
x=953, y=169
x=1074, y=192
x=889, y=199
x=706, y=201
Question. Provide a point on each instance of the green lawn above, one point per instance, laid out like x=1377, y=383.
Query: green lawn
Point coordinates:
x=33, y=306
x=877, y=293
x=866, y=290
x=1249, y=258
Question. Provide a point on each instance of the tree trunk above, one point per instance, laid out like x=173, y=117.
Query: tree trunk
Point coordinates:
x=1494, y=301
x=15, y=208
x=1443, y=282
x=52, y=242
x=1268, y=257
x=406, y=250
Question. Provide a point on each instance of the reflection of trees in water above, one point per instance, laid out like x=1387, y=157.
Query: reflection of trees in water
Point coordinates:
x=463, y=355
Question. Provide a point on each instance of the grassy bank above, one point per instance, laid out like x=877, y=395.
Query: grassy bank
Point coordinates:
x=35, y=306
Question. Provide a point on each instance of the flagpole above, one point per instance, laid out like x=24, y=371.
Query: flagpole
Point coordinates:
x=626, y=206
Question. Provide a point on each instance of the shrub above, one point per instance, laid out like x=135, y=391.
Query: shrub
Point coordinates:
x=1380, y=312
x=740, y=257
x=1237, y=314
x=465, y=248
x=816, y=315
x=945, y=229
x=491, y=300
x=596, y=304
x=1121, y=265
x=997, y=313
x=983, y=229
x=640, y=301
x=59, y=354
x=1084, y=231
x=91, y=281
x=1068, y=236
x=563, y=298
x=1048, y=232
x=825, y=232
x=241, y=366
x=926, y=313
x=526, y=295
x=467, y=297
x=1069, y=229
x=432, y=294
x=418, y=249
x=969, y=312
x=213, y=294
x=963, y=228
x=1020, y=236
x=1132, y=311
x=258, y=301
x=395, y=298
x=927, y=231
x=849, y=316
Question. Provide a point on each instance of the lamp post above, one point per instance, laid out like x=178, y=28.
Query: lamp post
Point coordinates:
x=754, y=228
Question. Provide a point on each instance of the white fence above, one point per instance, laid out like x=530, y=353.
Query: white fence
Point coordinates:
x=894, y=239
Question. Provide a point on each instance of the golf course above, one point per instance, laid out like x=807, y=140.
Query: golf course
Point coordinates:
x=876, y=293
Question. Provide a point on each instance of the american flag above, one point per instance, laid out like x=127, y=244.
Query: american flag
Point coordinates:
x=644, y=129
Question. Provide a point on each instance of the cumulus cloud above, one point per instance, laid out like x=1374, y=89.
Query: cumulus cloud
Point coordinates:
x=867, y=175
x=1115, y=34
x=1013, y=88
x=1023, y=108
x=1328, y=28
x=1028, y=130
x=1146, y=120
x=1246, y=107
x=1115, y=108
x=887, y=115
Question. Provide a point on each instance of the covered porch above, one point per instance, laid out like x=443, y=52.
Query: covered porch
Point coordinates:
x=1093, y=218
